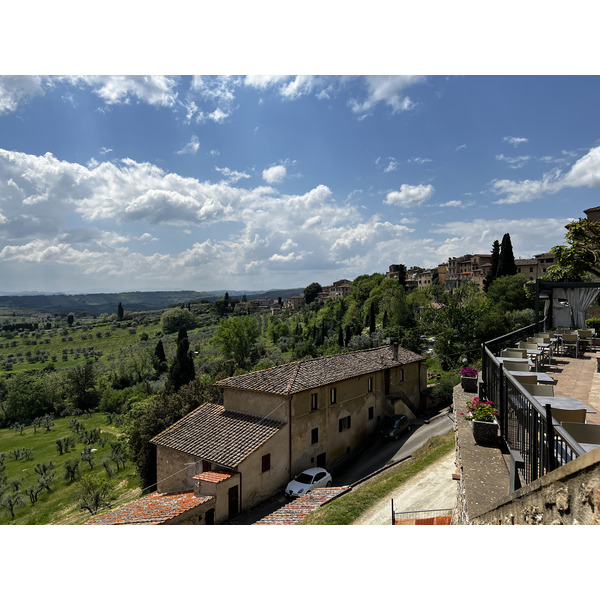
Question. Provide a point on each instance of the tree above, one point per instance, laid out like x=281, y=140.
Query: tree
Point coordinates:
x=182, y=369
x=82, y=385
x=506, y=260
x=160, y=359
x=236, y=338
x=120, y=312
x=94, y=492
x=174, y=319
x=70, y=319
x=10, y=502
x=493, y=267
x=509, y=293
x=312, y=291
x=581, y=257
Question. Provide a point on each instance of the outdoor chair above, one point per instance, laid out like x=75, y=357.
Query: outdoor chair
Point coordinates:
x=570, y=343
x=510, y=365
x=539, y=389
x=514, y=353
x=572, y=416
x=583, y=433
x=526, y=378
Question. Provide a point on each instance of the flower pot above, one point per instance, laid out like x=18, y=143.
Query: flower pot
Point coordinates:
x=485, y=432
x=469, y=384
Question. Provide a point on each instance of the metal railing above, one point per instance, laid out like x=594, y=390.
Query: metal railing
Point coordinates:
x=441, y=516
x=526, y=426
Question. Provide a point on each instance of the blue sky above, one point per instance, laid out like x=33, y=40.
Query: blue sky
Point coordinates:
x=256, y=182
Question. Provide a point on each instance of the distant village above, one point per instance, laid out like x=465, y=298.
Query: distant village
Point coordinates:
x=449, y=275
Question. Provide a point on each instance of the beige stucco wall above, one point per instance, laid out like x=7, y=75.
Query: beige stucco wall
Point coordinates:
x=256, y=403
x=354, y=400
x=172, y=471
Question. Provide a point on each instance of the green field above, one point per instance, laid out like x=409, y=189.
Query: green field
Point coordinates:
x=59, y=506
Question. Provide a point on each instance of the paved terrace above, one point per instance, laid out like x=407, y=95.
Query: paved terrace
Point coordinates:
x=486, y=470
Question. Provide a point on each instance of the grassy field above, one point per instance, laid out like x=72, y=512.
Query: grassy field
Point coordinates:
x=346, y=509
x=58, y=506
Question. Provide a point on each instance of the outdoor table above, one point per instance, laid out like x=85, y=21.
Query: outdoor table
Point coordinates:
x=535, y=353
x=541, y=377
x=563, y=402
x=545, y=347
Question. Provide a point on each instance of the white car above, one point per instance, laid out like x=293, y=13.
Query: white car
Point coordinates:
x=306, y=481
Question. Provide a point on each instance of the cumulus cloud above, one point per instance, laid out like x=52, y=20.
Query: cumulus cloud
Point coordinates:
x=514, y=162
x=410, y=195
x=275, y=174
x=231, y=175
x=389, y=89
x=16, y=89
x=584, y=173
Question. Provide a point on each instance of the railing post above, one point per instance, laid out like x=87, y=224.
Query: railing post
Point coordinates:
x=550, y=439
x=516, y=463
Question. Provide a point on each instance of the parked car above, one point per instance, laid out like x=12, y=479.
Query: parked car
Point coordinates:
x=308, y=480
x=393, y=427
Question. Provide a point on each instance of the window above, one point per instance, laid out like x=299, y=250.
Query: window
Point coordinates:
x=314, y=402
x=344, y=423
x=333, y=395
x=266, y=462
x=370, y=384
x=401, y=375
x=314, y=435
x=371, y=411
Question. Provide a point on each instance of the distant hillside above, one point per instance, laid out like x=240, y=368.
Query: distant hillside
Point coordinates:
x=96, y=304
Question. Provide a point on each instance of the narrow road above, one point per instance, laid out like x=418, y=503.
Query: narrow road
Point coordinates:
x=431, y=489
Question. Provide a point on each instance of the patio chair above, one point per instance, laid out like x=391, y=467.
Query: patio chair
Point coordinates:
x=526, y=378
x=510, y=365
x=539, y=389
x=528, y=345
x=572, y=416
x=514, y=353
x=583, y=433
x=570, y=343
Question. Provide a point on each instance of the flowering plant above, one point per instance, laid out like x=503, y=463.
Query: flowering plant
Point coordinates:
x=480, y=410
x=469, y=372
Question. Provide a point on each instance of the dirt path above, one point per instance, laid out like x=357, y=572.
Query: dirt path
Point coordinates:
x=431, y=489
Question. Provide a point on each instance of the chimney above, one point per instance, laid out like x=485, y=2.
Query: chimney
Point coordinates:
x=395, y=350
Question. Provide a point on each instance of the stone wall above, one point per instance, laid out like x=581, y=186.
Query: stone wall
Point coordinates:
x=568, y=495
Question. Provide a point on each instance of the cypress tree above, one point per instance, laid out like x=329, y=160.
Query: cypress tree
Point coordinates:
x=120, y=312
x=182, y=370
x=494, y=266
x=506, y=261
x=160, y=359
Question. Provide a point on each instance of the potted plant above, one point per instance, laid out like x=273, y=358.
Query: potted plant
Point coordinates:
x=468, y=379
x=482, y=415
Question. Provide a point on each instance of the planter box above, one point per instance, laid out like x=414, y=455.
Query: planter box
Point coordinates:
x=485, y=432
x=469, y=384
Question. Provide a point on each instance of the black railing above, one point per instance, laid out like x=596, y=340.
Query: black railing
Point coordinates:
x=526, y=426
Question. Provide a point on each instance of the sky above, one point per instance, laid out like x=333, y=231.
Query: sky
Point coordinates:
x=253, y=181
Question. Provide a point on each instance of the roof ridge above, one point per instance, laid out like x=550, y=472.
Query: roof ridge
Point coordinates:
x=292, y=378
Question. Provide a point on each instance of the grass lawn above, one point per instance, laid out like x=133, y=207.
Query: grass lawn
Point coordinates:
x=58, y=505
x=347, y=508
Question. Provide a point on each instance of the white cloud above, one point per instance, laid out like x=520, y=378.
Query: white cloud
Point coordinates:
x=452, y=203
x=16, y=89
x=389, y=89
x=419, y=161
x=275, y=174
x=514, y=162
x=191, y=147
x=584, y=173
x=514, y=141
x=392, y=166
x=461, y=147
x=231, y=175
x=410, y=195
x=156, y=90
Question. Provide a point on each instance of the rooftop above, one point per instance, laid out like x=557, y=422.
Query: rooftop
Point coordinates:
x=291, y=378
x=211, y=432
x=153, y=509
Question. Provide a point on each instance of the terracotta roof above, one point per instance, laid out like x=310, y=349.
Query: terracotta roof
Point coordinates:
x=214, y=476
x=152, y=509
x=295, y=377
x=211, y=432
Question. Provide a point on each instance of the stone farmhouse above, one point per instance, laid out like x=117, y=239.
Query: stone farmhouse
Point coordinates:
x=220, y=460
